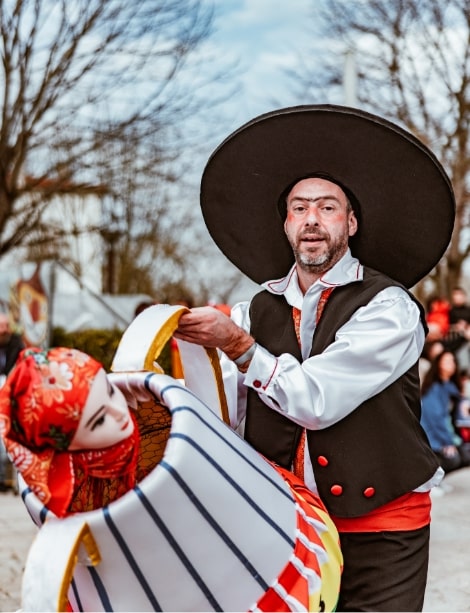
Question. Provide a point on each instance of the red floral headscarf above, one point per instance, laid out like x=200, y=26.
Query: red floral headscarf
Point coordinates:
x=40, y=408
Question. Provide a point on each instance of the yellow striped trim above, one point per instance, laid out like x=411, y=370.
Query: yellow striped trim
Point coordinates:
x=85, y=538
x=217, y=371
x=159, y=341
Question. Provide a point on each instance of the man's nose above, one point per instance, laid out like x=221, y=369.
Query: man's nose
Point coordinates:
x=311, y=219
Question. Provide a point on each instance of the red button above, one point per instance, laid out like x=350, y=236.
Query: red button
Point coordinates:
x=336, y=490
x=322, y=460
x=257, y=383
x=369, y=492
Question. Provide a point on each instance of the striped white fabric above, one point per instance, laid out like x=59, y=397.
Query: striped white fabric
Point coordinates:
x=210, y=528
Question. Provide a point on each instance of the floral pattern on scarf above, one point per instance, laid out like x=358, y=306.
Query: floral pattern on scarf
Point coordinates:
x=40, y=408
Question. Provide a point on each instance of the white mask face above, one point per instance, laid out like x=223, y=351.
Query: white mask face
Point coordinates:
x=105, y=420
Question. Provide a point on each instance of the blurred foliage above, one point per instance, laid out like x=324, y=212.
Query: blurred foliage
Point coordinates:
x=101, y=345
x=86, y=161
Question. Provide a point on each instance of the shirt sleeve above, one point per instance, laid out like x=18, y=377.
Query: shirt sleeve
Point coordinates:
x=380, y=342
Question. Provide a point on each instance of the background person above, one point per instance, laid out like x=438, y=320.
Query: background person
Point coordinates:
x=457, y=339
x=11, y=344
x=437, y=314
x=459, y=307
x=432, y=347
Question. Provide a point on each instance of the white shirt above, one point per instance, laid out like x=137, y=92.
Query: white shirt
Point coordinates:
x=378, y=344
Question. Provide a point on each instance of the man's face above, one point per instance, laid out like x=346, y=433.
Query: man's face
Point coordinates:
x=459, y=297
x=318, y=225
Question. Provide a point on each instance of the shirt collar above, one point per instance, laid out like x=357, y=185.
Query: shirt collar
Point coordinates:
x=347, y=270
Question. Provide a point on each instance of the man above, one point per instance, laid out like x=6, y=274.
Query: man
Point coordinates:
x=327, y=355
x=459, y=307
x=10, y=346
x=457, y=338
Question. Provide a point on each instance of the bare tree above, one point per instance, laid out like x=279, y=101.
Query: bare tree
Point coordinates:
x=93, y=102
x=413, y=66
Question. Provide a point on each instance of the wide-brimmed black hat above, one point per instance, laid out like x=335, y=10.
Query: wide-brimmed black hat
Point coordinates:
x=405, y=198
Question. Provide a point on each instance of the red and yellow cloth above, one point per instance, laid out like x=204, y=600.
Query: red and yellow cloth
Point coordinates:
x=310, y=580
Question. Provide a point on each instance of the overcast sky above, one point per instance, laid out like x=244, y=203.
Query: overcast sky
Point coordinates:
x=264, y=39
x=263, y=35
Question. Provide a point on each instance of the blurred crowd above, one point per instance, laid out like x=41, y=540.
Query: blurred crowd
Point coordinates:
x=444, y=371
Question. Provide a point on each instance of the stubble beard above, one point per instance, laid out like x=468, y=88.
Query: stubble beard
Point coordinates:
x=319, y=264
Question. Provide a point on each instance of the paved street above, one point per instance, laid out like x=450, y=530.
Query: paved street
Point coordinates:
x=448, y=583
x=449, y=569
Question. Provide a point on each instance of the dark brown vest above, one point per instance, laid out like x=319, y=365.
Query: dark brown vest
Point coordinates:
x=374, y=455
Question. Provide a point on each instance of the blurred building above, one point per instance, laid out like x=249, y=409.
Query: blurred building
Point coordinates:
x=42, y=297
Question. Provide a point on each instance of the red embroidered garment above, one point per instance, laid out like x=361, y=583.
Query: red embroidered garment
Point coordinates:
x=310, y=579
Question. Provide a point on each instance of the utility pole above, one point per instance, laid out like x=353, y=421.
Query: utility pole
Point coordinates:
x=110, y=238
x=350, y=79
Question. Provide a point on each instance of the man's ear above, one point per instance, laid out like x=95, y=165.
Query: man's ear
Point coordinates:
x=352, y=223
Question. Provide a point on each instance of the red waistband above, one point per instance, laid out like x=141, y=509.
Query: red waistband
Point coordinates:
x=409, y=512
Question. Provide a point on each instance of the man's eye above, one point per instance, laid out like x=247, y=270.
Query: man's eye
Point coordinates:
x=98, y=422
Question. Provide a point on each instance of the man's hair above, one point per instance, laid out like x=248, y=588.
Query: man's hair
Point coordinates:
x=351, y=200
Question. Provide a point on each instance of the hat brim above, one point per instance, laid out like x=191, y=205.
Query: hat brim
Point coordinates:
x=406, y=199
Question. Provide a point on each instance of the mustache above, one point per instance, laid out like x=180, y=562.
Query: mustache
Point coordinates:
x=313, y=234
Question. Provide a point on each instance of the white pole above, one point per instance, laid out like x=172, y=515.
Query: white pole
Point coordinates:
x=350, y=79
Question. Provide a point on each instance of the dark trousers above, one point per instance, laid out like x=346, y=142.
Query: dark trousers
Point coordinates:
x=384, y=571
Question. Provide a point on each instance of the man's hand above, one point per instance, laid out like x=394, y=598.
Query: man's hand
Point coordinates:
x=211, y=328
